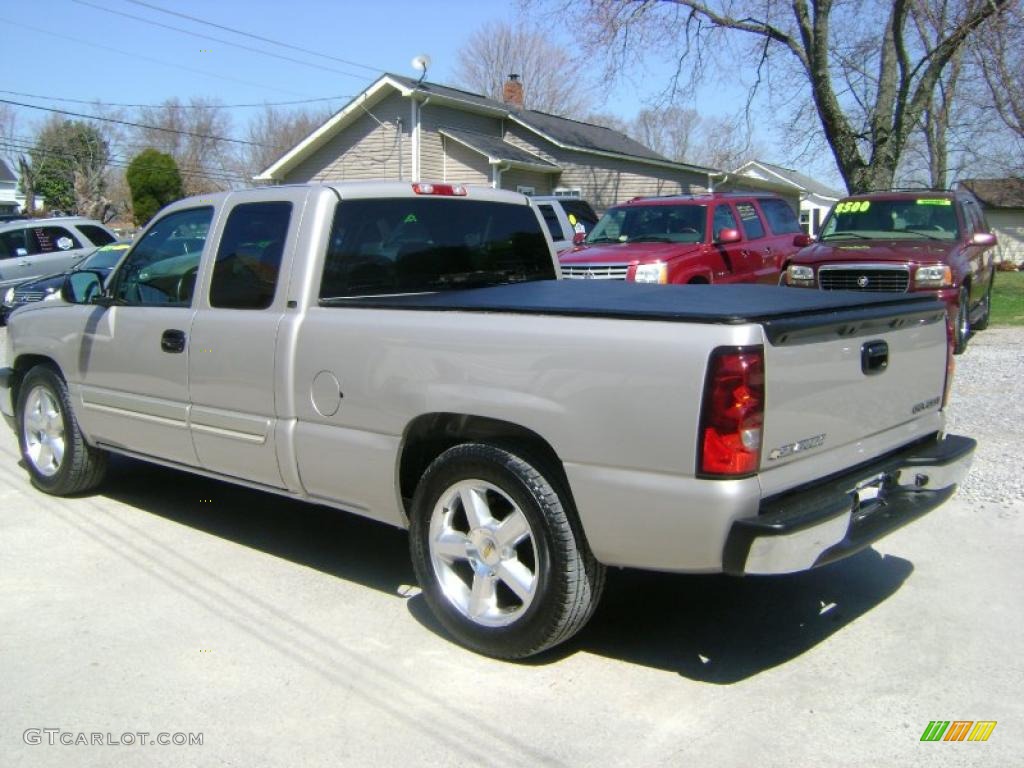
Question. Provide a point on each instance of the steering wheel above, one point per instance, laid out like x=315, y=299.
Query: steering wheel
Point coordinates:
x=186, y=285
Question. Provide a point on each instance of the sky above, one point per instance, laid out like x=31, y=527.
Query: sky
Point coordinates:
x=136, y=52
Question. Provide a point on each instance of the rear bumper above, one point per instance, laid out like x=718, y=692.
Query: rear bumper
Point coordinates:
x=843, y=514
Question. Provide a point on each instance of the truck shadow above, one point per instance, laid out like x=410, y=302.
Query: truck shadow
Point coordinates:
x=720, y=629
x=344, y=545
x=714, y=629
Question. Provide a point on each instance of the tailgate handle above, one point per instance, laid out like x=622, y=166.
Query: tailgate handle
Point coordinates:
x=874, y=357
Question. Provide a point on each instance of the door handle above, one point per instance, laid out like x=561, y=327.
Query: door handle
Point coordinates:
x=172, y=341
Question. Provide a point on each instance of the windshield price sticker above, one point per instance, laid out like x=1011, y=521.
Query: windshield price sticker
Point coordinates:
x=853, y=206
x=932, y=201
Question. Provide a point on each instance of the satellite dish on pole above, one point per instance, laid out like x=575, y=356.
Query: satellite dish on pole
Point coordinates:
x=421, y=63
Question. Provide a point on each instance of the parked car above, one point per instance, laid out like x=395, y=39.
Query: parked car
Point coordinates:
x=569, y=219
x=529, y=432
x=102, y=260
x=31, y=248
x=924, y=241
x=712, y=238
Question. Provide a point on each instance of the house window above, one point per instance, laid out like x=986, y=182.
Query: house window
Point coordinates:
x=526, y=190
x=805, y=221
x=575, y=192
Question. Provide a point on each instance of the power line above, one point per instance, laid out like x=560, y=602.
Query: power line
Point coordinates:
x=99, y=103
x=138, y=125
x=114, y=161
x=255, y=37
x=141, y=57
x=218, y=40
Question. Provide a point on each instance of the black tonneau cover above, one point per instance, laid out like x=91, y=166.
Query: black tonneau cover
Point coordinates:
x=787, y=314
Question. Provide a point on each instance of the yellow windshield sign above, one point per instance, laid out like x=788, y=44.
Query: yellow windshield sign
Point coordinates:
x=934, y=201
x=853, y=206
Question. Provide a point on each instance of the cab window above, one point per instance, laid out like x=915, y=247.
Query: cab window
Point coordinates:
x=161, y=269
x=249, y=256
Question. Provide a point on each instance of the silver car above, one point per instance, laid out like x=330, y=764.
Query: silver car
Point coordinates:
x=31, y=248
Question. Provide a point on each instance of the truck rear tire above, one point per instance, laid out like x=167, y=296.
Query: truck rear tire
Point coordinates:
x=500, y=561
x=982, y=322
x=58, y=459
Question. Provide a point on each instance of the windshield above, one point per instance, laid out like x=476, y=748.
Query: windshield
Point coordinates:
x=419, y=244
x=105, y=257
x=651, y=224
x=923, y=218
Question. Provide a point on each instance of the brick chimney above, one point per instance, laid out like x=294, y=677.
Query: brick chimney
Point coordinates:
x=512, y=93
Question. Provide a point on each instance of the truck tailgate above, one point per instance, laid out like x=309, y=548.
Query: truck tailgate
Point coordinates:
x=834, y=382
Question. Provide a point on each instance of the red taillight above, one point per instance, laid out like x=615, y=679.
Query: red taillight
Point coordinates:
x=733, y=412
x=424, y=188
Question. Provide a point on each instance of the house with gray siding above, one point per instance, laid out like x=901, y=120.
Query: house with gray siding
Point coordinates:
x=813, y=198
x=404, y=129
x=1002, y=200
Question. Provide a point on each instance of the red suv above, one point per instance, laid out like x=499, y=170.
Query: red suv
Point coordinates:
x=713, y=238
x=934, y=241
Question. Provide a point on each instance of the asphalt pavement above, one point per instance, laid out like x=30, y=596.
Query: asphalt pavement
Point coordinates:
x=283, y=634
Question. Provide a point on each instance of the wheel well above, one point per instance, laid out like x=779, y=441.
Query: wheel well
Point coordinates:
x=430, y=435
x=698, y=280
x=22, y=366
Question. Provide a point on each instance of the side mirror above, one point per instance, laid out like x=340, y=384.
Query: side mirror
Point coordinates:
x=802, y=241
x=728, y=235
x=983, y=239
x=20, y=252
x=82, y=287
x=578, y=238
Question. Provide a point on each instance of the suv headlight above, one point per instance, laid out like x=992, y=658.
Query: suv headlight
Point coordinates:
x=651, y=273
x=9, y=298
x=797, y=274
x=933, y=277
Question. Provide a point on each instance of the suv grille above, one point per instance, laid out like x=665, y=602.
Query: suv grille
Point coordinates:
x=595, y=271
x=853, y=278
x=23, y=297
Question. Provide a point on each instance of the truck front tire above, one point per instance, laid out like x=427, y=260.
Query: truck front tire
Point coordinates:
x=58, y=459
x=500, y=562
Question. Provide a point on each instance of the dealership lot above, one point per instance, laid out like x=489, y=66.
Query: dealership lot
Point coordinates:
x=287, y=634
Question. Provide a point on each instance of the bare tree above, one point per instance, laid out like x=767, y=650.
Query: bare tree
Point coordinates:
x=1001, y=56
x=193, y=135
x=862, y=65
x=551, y=81
x=272, y=133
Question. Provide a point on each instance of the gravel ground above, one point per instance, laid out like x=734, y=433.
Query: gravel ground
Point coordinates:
x=988, y=405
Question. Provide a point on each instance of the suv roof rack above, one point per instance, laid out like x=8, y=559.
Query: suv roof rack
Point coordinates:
x=699, y=195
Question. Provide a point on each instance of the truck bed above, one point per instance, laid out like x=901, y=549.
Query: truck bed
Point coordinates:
x=786, y=314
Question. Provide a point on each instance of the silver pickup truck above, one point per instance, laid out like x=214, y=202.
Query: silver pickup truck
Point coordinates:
x=405, y=352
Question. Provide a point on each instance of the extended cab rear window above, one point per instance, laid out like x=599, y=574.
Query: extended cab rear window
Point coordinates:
x=416, y=245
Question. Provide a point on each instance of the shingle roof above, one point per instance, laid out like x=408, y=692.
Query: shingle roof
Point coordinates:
x=6, y=174
x=496, y=148
x=997, y=193
x=798, y=179
x=571, y=133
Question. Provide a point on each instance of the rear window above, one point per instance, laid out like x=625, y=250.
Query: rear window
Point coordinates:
x=97, y=235
x=780, y=216
x=415, y=245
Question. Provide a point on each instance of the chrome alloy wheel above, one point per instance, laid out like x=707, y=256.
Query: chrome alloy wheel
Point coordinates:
x=43, y=426
x=483, y=553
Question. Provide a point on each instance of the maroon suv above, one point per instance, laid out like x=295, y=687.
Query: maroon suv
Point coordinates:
x=712, y=238
x=923, y=240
